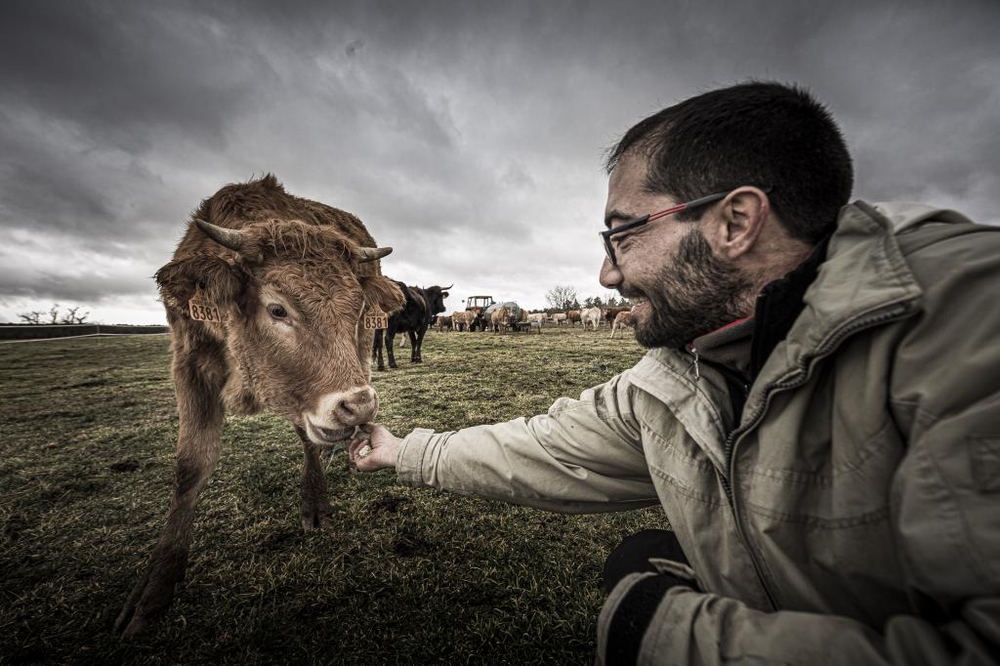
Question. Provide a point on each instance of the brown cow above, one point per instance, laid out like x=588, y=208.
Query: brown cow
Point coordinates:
x=622, y=320
x=269, y=299
x=611, y=313
x=572, y=317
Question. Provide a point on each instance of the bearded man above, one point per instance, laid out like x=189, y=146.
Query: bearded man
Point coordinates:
x=818, y=413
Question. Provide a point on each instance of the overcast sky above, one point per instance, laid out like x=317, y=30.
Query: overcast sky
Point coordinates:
x=467, y=135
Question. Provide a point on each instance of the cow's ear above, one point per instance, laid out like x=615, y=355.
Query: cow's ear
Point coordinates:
x=219, y=281
x=382, y=292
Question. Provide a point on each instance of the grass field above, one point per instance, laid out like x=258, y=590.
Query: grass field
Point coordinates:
x=402, y=576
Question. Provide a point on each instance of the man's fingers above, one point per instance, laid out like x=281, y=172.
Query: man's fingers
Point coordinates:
x=359, y=448
x=372, y=448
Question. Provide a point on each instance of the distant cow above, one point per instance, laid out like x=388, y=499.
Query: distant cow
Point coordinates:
x=591, y=316
x=266, y=296
x=572, y=317
x=443, y=323
x=611, y=313
x=558, y=317
x=418, y=312
x=538, y=317
x=622, y=320
x=462, y=321
x=500, y=319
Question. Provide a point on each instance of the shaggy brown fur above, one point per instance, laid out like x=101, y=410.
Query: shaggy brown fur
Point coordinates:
x=290, y=341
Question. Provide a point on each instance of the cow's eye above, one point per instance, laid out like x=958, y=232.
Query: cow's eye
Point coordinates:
x=277, y=311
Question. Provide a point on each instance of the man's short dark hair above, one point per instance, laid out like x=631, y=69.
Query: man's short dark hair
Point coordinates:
x=756, y=133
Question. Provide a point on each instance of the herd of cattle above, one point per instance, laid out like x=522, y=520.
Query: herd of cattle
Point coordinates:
x=274, y=302
x=424, y=305
x=502, y=320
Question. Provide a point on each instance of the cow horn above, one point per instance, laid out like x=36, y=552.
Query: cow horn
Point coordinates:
x=230, y=238
x=448, y=287
x=372, y=253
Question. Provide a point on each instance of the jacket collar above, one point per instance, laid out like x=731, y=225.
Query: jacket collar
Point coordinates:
x=865, y=281
x=864, y=273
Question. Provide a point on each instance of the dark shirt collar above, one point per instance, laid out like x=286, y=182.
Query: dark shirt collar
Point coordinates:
x=779, y=304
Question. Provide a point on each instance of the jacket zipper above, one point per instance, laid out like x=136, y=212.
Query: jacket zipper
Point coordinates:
x=801, y=376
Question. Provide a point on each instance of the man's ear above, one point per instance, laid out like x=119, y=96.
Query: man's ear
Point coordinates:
x=381, y=292
x=740, y=222
x=219, y=281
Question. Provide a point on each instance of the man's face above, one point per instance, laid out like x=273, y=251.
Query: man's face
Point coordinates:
x=680, y=288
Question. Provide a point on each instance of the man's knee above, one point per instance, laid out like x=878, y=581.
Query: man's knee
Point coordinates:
x=633, y=553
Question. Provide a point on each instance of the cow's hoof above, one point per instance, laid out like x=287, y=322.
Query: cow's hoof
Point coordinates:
x=152, y=595
x=316, y=517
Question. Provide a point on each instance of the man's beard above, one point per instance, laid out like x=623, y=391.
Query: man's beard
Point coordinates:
x=694, y=294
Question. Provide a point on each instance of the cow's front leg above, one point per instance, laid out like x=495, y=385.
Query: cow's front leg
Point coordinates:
x=316, y=508
x=198, y=446
x=390, y=339
x=415, y=340
x=377, y=349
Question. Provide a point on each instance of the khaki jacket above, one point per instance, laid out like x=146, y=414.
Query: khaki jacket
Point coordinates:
x=852, y=515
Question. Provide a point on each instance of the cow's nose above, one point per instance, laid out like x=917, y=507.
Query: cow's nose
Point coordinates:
x=356, y=407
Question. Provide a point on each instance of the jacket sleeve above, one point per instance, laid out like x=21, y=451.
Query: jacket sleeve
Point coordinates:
x=944, y=499
x=583, y=456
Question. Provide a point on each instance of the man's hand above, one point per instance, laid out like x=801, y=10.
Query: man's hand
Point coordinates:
x=373, y=448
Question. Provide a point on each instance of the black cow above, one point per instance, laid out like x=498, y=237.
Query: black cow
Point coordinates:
x=422, y=306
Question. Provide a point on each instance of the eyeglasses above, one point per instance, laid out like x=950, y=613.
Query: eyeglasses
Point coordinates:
x=609, y=247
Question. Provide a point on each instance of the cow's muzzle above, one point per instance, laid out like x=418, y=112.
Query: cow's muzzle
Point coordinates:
x=337, y=414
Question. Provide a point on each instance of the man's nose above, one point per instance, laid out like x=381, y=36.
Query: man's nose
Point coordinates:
x=610, y=277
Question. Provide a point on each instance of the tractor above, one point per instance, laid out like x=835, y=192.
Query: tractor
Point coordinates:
x=484, y=306
x=478, y=305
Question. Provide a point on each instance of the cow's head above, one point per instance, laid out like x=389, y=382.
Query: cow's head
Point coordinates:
x=435, y=300
x=292, y=298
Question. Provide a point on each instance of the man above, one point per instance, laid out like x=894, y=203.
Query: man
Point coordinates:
x=818, y=414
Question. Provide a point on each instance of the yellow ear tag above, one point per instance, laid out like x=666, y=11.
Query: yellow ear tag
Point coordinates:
x=374, y=319
x=202, y=310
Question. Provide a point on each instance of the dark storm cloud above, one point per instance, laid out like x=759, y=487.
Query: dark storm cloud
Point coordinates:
x=122, y=68
x=468, y=135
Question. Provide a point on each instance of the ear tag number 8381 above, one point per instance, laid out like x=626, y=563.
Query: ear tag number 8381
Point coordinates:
x=375, y=319
x=202, y=311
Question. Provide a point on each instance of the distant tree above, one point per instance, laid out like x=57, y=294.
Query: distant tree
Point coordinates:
x=562, y=298
x=71, y=316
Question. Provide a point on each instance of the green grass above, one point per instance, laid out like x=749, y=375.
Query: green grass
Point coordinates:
x=402, y=576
